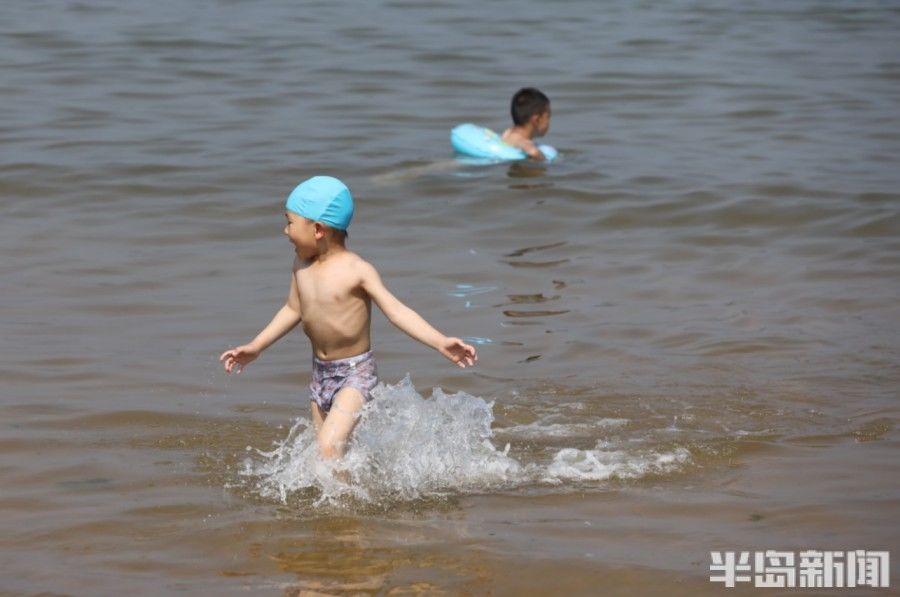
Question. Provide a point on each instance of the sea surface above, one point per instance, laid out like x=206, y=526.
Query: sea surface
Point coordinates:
x=688, y=325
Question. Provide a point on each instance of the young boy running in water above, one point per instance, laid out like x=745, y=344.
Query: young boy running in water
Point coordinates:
x=331, y=293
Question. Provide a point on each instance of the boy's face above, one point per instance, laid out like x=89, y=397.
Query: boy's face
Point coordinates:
x=302, y=233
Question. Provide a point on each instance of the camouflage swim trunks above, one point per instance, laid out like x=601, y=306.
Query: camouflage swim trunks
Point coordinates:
x=328, y=377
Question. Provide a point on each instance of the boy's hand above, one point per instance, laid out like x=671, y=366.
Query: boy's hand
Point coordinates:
x=458, y=351
x=239, y=357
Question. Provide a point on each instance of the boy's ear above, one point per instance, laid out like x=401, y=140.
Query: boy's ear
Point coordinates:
x=320, y=230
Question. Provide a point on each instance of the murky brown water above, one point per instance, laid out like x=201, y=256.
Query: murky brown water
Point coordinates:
x=688, y=324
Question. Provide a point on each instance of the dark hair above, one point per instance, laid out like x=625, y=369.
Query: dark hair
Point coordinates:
x=527, y=102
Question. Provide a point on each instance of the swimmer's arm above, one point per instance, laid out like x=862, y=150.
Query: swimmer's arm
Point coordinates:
x=284, y=321
x=411, y=322
x=532, y=151
x=524, y=143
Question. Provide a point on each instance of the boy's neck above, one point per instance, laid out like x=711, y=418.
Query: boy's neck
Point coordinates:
x=329, y=248
x=526, y=130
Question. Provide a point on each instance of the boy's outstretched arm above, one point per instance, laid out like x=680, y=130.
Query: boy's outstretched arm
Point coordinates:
x=412, y=323
x=284, y=321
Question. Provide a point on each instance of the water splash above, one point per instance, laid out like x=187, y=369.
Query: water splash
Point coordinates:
x=404, y=447
x=407, y=447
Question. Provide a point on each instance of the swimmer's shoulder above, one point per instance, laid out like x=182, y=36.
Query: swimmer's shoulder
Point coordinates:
x=510, y=136
x=515, y=138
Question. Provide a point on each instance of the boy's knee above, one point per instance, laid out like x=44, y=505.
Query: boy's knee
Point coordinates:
x=330, y=449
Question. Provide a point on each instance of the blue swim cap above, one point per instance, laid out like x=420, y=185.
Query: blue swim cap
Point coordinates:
x=322, y=199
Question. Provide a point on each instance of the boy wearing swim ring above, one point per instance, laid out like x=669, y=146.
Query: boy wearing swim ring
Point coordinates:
x=531, y=118
x=331, y=293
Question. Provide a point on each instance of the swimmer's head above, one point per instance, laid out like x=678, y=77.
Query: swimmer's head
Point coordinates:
x=322, y=199
x=531, y=106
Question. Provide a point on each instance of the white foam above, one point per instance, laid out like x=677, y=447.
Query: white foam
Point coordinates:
x=603, y=463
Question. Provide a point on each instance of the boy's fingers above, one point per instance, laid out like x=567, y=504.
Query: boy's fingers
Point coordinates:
x=232, y=354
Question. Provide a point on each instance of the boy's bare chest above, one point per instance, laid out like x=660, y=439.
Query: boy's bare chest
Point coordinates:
x=325, y=290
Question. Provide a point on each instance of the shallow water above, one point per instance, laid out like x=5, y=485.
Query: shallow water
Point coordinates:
x=687, y=325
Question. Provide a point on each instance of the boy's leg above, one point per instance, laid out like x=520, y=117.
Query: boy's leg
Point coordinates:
x=335, y=430
x=318, y=416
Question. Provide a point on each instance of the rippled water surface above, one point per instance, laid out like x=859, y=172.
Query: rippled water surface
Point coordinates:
x=687, y=324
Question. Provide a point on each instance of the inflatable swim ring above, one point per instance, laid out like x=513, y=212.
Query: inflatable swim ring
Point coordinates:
x=476, y=141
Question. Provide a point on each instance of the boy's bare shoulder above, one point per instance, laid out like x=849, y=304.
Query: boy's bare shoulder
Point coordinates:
x=356, y=264
x=515, y=138
x=509, y=135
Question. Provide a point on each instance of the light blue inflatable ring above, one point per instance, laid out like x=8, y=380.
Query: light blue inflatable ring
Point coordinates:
x=476, y=141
